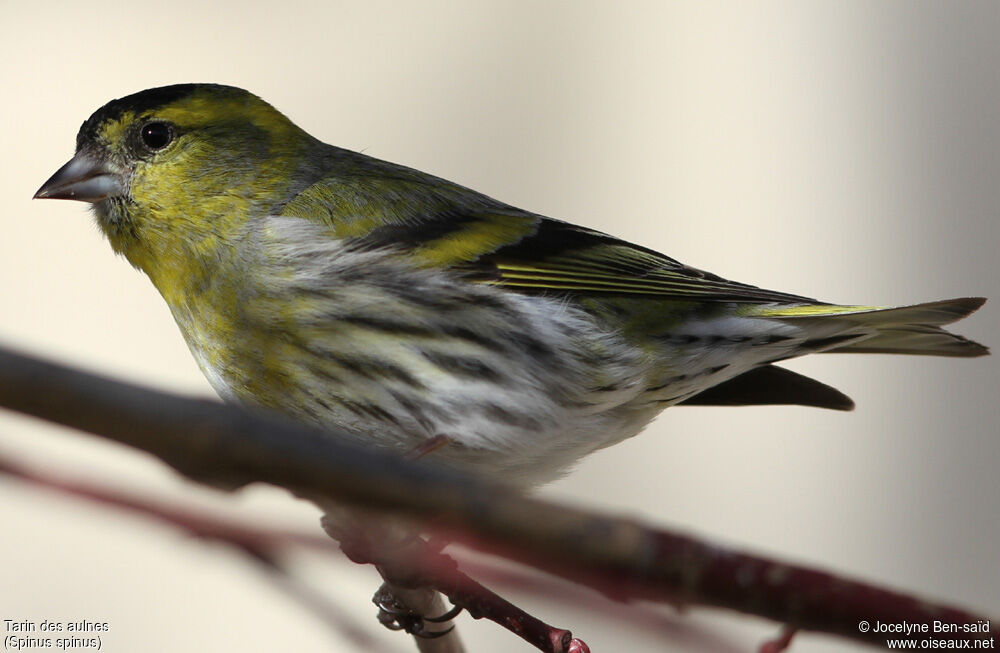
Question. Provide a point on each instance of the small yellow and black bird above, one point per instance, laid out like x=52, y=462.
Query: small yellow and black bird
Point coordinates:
x=352, y=292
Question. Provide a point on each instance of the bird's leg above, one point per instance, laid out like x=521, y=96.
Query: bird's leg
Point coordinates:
x=405, y=607
x=447, y=616
x=404, y=598
x=401, y=607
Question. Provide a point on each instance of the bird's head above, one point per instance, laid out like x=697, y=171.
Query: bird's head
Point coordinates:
x=178, y=168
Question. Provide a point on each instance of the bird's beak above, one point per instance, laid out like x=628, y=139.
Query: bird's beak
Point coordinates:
x=85, y=177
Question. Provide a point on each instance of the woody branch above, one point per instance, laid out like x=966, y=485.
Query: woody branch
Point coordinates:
x=625, y=559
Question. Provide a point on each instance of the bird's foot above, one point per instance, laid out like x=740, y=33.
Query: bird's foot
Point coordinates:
x=394, y=615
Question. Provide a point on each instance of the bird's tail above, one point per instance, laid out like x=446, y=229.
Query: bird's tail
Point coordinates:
x=915, y=329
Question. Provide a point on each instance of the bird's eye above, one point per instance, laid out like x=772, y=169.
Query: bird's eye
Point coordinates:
x=156, y=135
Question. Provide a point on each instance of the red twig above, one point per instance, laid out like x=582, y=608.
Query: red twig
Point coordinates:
x=196, y=523
x=684, y=570
x=260, y=545
x=680, y=631
x=271, y=539
x=780, y=643
x=424, y=565
x=417, y=563
x=623, y=558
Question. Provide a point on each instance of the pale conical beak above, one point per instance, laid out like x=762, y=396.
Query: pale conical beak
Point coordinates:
x=85, y=178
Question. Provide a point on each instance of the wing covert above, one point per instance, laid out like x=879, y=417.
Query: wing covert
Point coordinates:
x=444, y=225
x=558, y=257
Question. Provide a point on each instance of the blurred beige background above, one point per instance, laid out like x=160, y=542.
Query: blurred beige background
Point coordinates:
x=846, y=150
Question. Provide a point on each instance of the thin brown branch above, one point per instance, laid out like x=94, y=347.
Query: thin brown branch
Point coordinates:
x=197, y=523
x=261, y=545
x=257, y=539
x=416, y=563
x=221, y=444
x=264, y=544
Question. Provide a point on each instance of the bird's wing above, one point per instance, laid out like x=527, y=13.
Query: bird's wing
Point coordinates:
x=533, y=254
x=444, y=225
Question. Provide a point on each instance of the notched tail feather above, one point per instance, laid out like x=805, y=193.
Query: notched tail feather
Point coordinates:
x=912, y=329
x=927, y=341
x=771, y=385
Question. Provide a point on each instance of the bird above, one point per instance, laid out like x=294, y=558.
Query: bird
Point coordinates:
x=396, y=308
